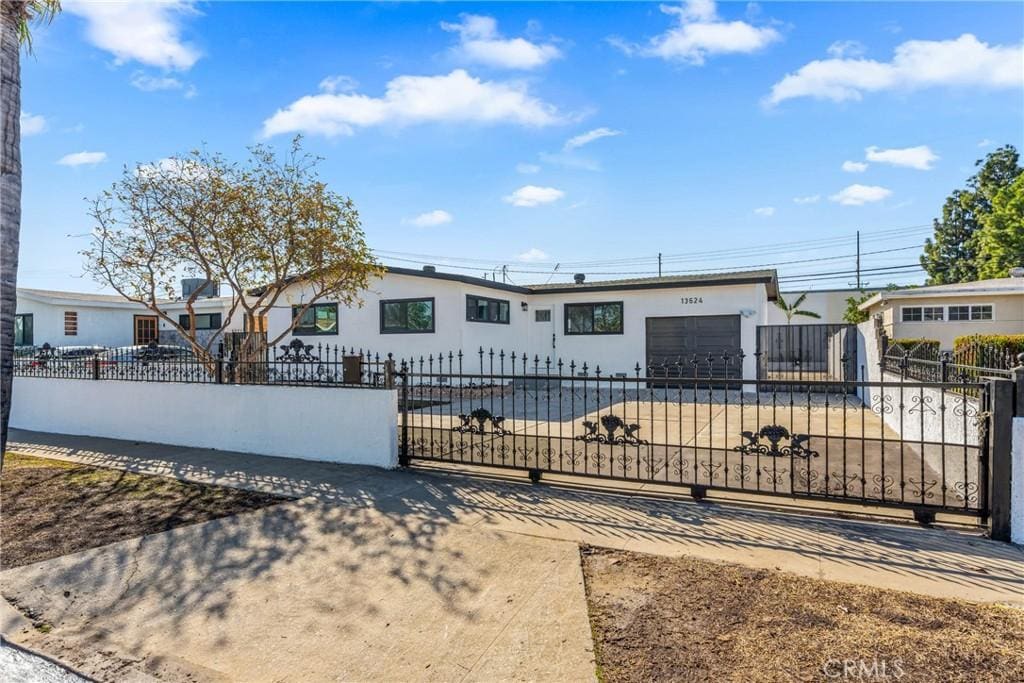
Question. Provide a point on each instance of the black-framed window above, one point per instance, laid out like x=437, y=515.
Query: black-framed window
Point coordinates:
x=204, y=321
x=959, y=313
x=407, y=316
x=24, y=328
x=981, y=312
x=481, y=309
x=318, y=319
x=911, y=314
x=542, y=315
x=596, y=318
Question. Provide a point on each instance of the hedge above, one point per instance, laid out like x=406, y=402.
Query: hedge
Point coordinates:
x=988, y=350
x=922, y=348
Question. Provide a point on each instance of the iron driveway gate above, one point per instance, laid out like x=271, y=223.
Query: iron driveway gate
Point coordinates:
x=814, y=352
x=908, y=444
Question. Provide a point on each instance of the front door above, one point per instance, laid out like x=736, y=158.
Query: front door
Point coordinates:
x=146, y=329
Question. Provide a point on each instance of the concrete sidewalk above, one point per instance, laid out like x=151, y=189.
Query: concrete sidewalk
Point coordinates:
x=422, y=574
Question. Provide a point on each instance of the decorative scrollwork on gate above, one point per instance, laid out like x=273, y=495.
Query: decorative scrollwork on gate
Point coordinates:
x=775, y=434
x=297, y=352
x=611, y=424
x=481, y=416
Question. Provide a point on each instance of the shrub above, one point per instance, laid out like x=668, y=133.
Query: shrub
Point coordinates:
x=988, y=350
x=917, y=348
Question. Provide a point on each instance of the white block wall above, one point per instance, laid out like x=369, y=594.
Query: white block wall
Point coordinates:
x=353, y=426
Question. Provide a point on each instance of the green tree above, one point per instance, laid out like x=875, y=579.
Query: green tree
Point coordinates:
x=259, y=227
x=16, y=19
x=952, y=255
x=793, y=310
x=1001, y=238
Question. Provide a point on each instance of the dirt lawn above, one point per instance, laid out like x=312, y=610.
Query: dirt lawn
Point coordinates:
x=52, y=508
x=679, y=619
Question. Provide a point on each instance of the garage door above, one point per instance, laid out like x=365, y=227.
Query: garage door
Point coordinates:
x=683, y=337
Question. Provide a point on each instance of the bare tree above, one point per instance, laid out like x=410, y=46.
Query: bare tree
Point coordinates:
x=257, y=227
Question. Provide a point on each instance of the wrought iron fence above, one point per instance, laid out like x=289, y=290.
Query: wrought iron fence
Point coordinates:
x=293, y=364
x=906, y=444
x=926, y=363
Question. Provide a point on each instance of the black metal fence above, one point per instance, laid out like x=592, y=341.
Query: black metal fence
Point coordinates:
x=814, y=352
x=925, y=362
x=905, y=444
x=293, y=364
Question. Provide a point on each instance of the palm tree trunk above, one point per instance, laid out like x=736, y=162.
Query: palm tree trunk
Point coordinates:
x=10, y=203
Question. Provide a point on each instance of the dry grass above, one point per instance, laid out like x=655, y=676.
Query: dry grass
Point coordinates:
x=52, y=508
x=680, y=619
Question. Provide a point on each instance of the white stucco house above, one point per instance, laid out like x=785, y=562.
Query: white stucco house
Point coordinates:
x=614, y=324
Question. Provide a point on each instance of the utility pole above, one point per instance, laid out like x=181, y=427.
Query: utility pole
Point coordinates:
x=659, y=264
x=859, y=284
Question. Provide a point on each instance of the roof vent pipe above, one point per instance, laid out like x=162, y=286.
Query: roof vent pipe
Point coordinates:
x=1017, y=272
x=429, y=269
x=578, y=278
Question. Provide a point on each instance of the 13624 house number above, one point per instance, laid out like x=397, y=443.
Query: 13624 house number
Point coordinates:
x=692, y=299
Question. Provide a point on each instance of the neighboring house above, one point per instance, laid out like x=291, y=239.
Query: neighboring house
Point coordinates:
x=78, y=319
x=614, y=324
x=945, y=312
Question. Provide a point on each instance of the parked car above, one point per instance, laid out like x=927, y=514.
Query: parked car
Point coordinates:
x=67, y=360
x=156, y=362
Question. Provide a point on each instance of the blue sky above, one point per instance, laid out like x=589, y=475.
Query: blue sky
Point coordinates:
x=592, y=136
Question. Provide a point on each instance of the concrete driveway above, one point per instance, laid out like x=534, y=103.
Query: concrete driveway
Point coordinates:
x=418, y=575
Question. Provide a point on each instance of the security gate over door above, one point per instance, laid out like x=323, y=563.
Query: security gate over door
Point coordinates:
x=867, y=443
x=807, y=352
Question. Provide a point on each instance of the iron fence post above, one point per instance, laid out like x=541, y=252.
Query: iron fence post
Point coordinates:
x=403, y=405
x=95, y=367
x=944, y=367
x=389, y=373
x=220, y=363
x=1001, y=409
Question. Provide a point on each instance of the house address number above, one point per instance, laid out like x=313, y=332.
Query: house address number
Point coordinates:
x=692, y=299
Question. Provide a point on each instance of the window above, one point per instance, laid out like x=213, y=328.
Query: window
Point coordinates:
x=70, y=323
x=911, y=314
x=542, y=315
x=483, y=310
x=981, y=312
x=23, y=329
x=204, y=321
x=317, y=319
x=602, y=318
x=959, y=312
x=932, y=312
x=407, y=316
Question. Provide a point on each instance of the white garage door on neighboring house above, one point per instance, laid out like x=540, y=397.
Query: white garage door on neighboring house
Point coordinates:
x=672, y=339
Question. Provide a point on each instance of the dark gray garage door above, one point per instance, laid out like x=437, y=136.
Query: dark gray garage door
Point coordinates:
x=675, y=341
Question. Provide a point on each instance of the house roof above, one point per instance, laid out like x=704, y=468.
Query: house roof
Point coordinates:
x=104, y=300
x=768, y=277
x=1005, y=285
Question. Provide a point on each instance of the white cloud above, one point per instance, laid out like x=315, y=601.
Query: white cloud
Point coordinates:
x=846, y=48
x=532, y=256
x=480, y=42
x=857, y=195
x=430, y=219
x=453, y=98
x=854, y=166
x=920, y=157
x=175, y=168
x=916, y=64
x=588, y=137
x=698, y=33
x=339, y=83
x=808, y=199
x=146, y=32
x=527, y=169
x=82, y=158
x=532, y=195
x=984, y=142
x=149, y=83
x=568, y=160
x=765, y=211
x=32, y=124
